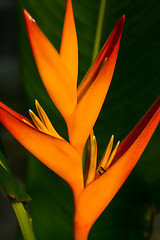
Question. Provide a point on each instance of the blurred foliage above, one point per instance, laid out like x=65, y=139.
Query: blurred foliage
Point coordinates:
x=135, y=86
x=8, y=184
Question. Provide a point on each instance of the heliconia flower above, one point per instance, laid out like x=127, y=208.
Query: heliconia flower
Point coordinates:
x=80, y=108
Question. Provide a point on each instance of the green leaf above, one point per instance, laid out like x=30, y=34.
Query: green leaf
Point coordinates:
x=135, y=86
x=8, y=184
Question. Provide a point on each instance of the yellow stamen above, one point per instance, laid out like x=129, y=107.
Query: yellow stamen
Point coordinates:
x=45, y=120
x=91, y=159
x=24, y=120
x=107, y=157
x=38, y=122
x=103, y=162
x=112, y=156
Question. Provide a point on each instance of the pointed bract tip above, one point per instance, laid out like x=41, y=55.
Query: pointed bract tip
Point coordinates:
x=30, y=111
x=120, y=21
x=122, y=18
x=27, y=16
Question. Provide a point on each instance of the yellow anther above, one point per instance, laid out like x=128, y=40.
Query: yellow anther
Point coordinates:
x=112, y=156
x=105, y=157
x=25, y=121
x=45, y=120
x=91, y=159
x=38, y=122
x=101, y=171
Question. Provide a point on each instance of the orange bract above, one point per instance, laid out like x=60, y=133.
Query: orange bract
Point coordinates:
x=59, y=83
x=80, y=109
x=60, y=156
x=69, y=44
x=93, y=89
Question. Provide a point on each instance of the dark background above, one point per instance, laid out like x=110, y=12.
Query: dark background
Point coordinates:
x=11, y=93
x=135, y=86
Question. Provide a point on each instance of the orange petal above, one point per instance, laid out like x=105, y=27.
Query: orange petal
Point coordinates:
x=69, y=44
x=97, y=195
x=58, y=82
x=93, y=91
x=56, y=154
x=45, y=120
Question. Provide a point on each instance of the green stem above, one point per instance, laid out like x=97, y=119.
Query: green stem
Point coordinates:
x=23, y=219
x=99, y=28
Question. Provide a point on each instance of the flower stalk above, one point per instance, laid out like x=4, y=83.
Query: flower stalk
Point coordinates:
x=80, y=231
x=23, y=220
x=99, y=29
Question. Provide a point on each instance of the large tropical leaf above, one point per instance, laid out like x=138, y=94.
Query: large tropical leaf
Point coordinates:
x=8, y=184
x=134, y=88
